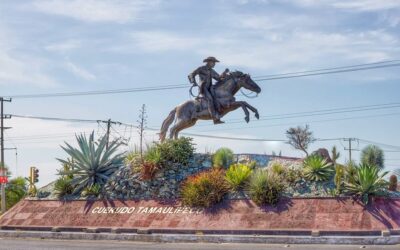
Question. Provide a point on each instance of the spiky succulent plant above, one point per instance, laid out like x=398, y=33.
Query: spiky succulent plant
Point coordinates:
x=317, y=168
x=368, y=180
x=93, y=162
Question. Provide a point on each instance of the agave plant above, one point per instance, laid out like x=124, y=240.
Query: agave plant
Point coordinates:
x=93, y=162
x=317, y=168
x=368, y=180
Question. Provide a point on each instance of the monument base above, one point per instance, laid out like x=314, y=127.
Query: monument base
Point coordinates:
x=301, y=216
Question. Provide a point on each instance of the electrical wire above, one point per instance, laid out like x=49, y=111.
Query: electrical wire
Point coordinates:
x=328, y=69
x=302, y=122
x=334, y=70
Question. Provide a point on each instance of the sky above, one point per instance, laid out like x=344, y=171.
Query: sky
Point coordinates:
x=49, y=46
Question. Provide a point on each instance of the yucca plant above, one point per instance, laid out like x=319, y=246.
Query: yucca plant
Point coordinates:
x=265, y=187
x=278, y=168
x=237, y=175
x=63, y=187
x=317, y=168
x=93, y=162
x=222, y=158
x=368, y=181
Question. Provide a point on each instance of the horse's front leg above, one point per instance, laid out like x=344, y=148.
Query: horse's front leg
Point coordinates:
x=241, y=104
x=255, y=111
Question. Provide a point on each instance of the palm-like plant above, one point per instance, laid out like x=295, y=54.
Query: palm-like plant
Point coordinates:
x=237, y=175
x=93, y=162
x=63, y=187
x=368, y=180
x=317, y=168
x=373, y=155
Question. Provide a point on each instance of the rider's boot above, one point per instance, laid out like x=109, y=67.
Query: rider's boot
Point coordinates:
x=217, y=119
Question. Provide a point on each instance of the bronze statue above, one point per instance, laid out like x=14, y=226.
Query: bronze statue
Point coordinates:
x=220, y=99
x=206, y=74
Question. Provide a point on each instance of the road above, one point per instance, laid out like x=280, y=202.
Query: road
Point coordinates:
x=31, y=244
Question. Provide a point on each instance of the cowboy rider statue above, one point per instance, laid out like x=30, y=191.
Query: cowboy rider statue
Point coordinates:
x=206, y=73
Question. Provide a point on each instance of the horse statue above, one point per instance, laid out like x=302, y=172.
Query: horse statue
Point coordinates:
x=187, y=114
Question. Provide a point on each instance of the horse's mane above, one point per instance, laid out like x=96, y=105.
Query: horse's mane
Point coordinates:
x=230, y=75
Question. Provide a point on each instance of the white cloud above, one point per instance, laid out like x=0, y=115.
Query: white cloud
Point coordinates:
x=155, y=41
x=23, y=71
x=20, y=69
x=96, y=11
x=79, y=71
x=276, y=50
x=356, y=5
x=64, y=46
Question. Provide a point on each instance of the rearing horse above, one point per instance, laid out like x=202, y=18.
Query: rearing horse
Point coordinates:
x=189, y=112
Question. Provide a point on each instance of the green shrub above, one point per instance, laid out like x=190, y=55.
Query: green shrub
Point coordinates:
x=154, y=156
x=252, y=165
x=237, y=175
x=278, y=168
x=204, y=189
x=63, y=187
x=94, y=190
x=372, y=155
x=222, y=158
x=178, y=151
x=393, y=183
x=317, y=168
x=131, y=158
x=293, y=175
x=367, y=181
x=16, y=190
x=265, y=187
x=93, y=162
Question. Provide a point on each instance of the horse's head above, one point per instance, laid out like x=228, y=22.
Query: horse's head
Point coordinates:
x=248, y=83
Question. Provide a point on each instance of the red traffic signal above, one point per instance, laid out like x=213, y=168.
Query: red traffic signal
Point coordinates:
x=3, y=179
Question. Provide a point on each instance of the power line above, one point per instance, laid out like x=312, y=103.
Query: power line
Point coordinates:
x=103, y=92
x=54, y=118
x=329, y=72
x=305, y=114
x=380, y=144
x=303, y=122
x=333, y=70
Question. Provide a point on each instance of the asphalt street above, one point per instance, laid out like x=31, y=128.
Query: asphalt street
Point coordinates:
x=32, y=244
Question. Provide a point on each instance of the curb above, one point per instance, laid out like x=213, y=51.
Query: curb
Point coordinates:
x=201, y=238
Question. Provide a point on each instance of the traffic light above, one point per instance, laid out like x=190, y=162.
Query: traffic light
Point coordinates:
x=34, y=175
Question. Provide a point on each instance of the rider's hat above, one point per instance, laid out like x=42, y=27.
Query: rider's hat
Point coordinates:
x=210, y=59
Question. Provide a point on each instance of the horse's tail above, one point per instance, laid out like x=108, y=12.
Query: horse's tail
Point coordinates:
x=166, y=123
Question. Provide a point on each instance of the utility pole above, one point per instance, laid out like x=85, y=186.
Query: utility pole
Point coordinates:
x=109, y=123
x=349, y=148
x=3, y=169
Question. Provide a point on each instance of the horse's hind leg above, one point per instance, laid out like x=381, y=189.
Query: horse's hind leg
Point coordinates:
x=179, y=126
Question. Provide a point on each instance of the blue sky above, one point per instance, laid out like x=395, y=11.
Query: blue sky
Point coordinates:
x=78, y=45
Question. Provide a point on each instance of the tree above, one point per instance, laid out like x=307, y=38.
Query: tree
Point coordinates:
x=300, y=138
x=16, y=189
x=373, y=155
